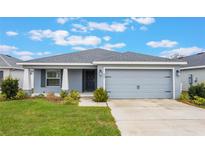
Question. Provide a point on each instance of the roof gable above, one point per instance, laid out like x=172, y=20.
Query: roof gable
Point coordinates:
x=195, y=60
x=7, y=61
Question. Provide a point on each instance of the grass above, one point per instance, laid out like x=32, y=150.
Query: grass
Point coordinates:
x=38, y=117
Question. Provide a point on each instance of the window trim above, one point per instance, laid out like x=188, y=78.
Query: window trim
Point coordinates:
x=51, y=70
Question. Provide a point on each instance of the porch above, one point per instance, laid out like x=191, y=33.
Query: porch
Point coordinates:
x=53, y=80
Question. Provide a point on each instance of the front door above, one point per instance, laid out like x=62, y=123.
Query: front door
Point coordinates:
x=89, y=80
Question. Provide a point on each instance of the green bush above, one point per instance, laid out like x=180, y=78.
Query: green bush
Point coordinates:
x=20, y=94
x=68, y=100
x=100, y=95
x=199, y=100
x=75, y=95
x=63, y=93
x=40, y=96
x=9, y=87
x=197, y=90
x=184, y=96
x=2, y=97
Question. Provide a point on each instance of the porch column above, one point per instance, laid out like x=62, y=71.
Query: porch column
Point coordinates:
x=27, y=80
x=65, y=83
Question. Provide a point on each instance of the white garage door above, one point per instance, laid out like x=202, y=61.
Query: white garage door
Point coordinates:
x=139, y=83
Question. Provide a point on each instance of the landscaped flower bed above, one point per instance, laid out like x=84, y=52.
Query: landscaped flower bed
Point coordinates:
x=194, y=96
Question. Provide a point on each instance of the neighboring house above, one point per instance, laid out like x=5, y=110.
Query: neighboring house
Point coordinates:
x=194, y=71
x=8, y=67
x=123, y=75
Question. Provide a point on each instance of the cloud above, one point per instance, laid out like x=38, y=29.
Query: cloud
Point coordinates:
x=5, y=49
x=143, y=28
x=26, y=57
x=114, y=27
x=79, y=28
x=162, y=44
x=43, y=53
x=144, y=21
x=83, y=40
x=112, y=46
x=11, y=33
x=61, y=37
x=23, y=53
x=90, y=26
x=181, y=52
x=62, y=20
x=78, y=48
x=57, y=36
x=107, y=38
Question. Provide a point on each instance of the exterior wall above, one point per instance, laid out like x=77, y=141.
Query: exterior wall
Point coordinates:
x=198, y=74
x=17, y=74
x=101, y=80
x=46, y=89
x=74, y=77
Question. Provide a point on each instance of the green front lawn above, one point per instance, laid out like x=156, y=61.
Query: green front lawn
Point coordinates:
x=38, y=117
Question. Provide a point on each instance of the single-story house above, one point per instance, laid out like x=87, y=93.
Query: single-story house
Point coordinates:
x=123, y=75
x=8, y=67
x=194, y=71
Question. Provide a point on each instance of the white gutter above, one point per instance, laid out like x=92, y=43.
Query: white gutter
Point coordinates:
x=139, y=62
x=17, y=68
x=54, y=64
x=106, y=62
x=193, y=67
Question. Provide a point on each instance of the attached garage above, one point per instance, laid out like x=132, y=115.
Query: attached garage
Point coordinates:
x=139, y=83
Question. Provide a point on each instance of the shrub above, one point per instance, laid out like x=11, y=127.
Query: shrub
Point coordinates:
x=197, y=90
x=63, y=93
x=51, y=97
x=68, y=100
x=199, y=100
x=40, y=96
x=100, y=95
x=75, y=95
x=2, y=97
x=9, y=87
x=184, y=96
x=20, y=94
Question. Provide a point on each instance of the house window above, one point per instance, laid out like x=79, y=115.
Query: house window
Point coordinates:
x=53, y=77
x=190, y=79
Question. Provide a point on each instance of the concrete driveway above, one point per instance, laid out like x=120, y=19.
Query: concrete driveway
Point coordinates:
x=157, y=117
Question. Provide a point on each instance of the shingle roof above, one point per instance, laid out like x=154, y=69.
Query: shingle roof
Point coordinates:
x=90, y=55
x=195, y=60
x=86, y=56
x=7, y=61
x=132, y=56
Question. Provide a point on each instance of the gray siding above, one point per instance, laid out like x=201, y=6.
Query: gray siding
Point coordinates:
x=16, y=74
x=37, y=84
x=197, y=73
x=75, y=82
x=75, y=79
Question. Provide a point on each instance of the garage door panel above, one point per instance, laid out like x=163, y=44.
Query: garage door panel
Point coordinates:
x=139, y=83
